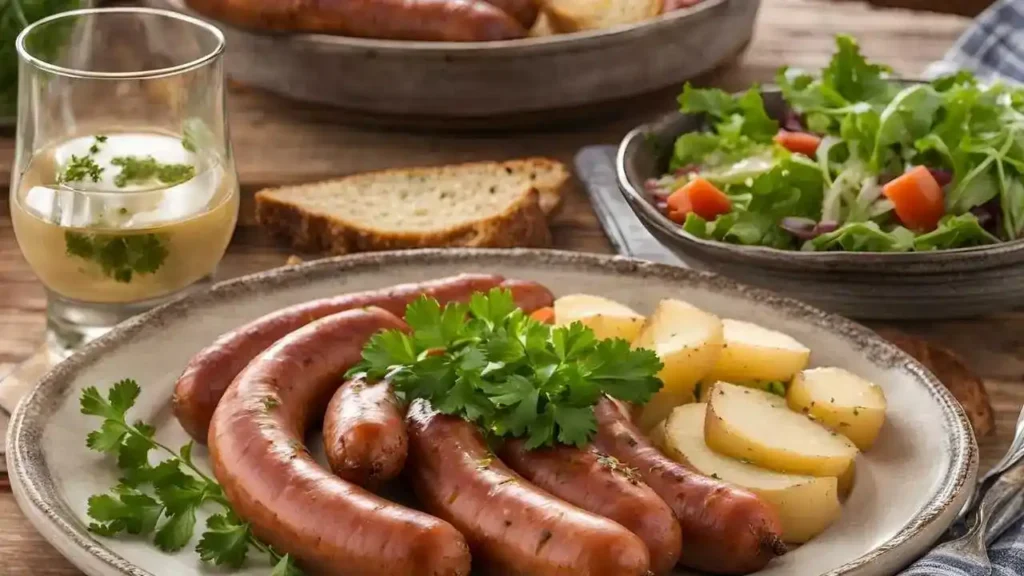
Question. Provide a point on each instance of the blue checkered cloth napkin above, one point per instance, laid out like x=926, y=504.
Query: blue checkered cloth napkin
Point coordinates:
x=993, y=48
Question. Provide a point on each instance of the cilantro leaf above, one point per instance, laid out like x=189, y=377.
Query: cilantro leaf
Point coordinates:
x=542, y=429
x=225, y=541
x=512, y=391
x=384, y=350
x=134, y=452
x=491, y=364
x=285, y=567
x=576, y=425
x=494, y=307
x=177, y=531
x=626, y=374
x=572, y=341
x=132, y=512
x=107, y=438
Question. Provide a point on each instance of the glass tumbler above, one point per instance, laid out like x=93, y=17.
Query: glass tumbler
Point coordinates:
x=124, y=193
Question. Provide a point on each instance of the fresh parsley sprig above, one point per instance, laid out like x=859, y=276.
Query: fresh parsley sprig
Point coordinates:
x=491, y=364
x=120, y=256
x=163, y=499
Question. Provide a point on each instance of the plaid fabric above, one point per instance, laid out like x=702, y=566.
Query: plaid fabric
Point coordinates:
x=993, y=47
x=1006, y=558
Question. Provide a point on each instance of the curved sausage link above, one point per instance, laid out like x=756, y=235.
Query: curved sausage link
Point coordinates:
x=524, y=11
x=600, y=484
x=364, y=433
x=210, y=372
x=427, y=20
x=512, y=527
x=726, y=530
x=292, y=503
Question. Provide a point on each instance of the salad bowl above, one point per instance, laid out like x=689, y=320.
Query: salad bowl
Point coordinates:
x=952, y=283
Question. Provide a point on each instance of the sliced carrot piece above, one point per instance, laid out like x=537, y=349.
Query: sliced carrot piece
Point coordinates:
x=698, y=196
x=707, y=200
x=917, y=199
x=544, y=315
x=798, y=142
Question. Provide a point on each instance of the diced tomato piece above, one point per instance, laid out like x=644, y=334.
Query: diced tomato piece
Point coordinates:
x=544, y=315
x=707, y=201
x=798, y=142
x=700, y=197
x=917, y=199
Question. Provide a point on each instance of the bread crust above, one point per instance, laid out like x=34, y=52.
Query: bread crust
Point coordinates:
x=522, y=223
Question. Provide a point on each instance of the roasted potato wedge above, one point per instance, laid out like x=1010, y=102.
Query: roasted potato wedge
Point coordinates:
x=688, y=341
x=607, y=318
x=758, y=427
x=806, y=504
x=752, y=353
x=842, y=401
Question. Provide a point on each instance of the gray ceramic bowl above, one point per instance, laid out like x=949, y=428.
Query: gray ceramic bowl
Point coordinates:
x=475, y=84
x=916, y=285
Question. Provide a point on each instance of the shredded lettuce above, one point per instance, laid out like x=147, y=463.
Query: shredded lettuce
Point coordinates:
x=873, y=128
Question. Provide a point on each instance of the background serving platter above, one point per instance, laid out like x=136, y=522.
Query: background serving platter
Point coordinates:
x=478, y=83
x=907, y=490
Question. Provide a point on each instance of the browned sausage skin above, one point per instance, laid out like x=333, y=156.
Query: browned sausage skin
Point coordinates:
x=209, y=372
x=364, y=433
x=427, y=20
x=726, y=530
x=332, y=526
x=512, y=527
x=600, y=484
x=524, y=11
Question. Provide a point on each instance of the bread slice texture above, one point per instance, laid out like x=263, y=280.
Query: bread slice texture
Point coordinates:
x=482, y=205
x=578, y=15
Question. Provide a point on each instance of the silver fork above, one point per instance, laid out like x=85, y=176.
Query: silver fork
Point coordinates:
x=1005, y=501
x=1012, y=456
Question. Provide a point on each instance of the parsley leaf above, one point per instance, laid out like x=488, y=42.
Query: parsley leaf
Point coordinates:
x=119, y=256
x=162, y=500
x=225, y=542
x=286, y=567
x=140, y=170
x=177, y=531
x=491, y=364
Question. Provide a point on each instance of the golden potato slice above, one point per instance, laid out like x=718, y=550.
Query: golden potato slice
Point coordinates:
x=846, y=480
x=607, y=318
x=806, y=504
x=577, y=15
x=756, y=426
x=688, y=341
x=842, y=401
x=752, y=353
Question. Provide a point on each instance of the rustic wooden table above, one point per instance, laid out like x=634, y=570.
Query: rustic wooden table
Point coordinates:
x=278, y=142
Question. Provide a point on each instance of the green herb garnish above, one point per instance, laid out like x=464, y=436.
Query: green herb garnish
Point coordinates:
x=45, y=43
x=119, y=256
x=162, y=500
x=506, y=372
x=139, y=170
x=80, y=168
x=776, y=387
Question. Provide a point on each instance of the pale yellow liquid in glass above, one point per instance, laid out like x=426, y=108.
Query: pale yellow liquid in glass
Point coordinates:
x=183, y=229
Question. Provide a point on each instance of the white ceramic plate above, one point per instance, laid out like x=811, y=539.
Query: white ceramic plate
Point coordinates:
x=907, y=491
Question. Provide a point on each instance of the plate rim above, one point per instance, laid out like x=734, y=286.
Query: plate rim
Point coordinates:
x=35, y=488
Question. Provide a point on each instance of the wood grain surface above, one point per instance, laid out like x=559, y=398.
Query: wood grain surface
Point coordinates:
x=278, y=142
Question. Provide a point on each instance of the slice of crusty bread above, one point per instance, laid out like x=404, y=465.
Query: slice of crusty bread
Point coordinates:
x=578, y=15
x=483, y=204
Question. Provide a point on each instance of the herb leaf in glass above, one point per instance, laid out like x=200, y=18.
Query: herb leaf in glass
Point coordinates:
x=124, y=193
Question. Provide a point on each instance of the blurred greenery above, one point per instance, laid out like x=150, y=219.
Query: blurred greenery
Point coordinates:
x=15, y=15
